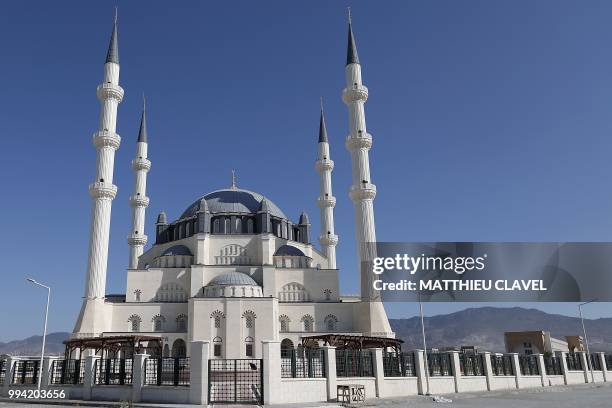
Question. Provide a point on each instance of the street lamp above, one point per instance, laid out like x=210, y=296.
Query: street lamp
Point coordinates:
x=425, y=363
x=42, y=353
x=586, y=340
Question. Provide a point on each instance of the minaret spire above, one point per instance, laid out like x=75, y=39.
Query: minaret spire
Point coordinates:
x=326, y=200
x=373, y=319
x=139, y=200
x=92, y=319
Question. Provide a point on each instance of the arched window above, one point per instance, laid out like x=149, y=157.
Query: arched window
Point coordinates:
x=134, y=321
x=227, y=226
x=137, y=294
x=179, y=349
x=307, y=323
x=249, y=319
x=181, y=323
x=286, y=348
x=331, y=322
x=238, y=228
x=217, y=346
x=166, y=352
x=158, y=322
x=327, y=293
x=171, y=292
x=284, y=323
x=250, y=226
x=217, y=316
x=293, y=292
x=216, y=226
x=248, y=342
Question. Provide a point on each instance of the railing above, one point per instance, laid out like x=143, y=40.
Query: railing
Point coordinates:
x=354, y=363
x=529, y=365
x=2, y=371
x=113, y=371
x=594, y=361
x=608, y=358
x=574, y=362
x=399, y=365
x=439, y=364
x=553, y=365
x=25, y=372
x=501, y=365
x=67, y=372
x=303, y=363
x=167, y=371
x=471, y=364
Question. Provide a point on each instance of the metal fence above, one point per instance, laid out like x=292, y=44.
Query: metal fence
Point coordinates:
x=553, y=365
x=67, y=372
x=3, y=364
x=167, y=371
x=303, y=363
x=529, y=365
x=594, y=361
x=501, y=365
x=574, y=362
x=399, y=365
x=354, y=363
x=439, y=364
x=471, y=364
x=25, y=372
x=113, y=371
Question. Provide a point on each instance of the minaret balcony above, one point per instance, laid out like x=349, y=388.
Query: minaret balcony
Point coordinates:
x=355, y=93
x=141, y=164
x=137, y=240
x=103, y=190
x=104, y=138
x=139, y=201
x=109, y=91
x=324, y=165
x=361, y=140
x=328, y=201
x=328, y=239
x=365, y=191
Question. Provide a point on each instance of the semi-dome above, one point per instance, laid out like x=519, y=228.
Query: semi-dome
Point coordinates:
x=177, y=250
x=233, y=278
x=288, y=250
x=233, y=200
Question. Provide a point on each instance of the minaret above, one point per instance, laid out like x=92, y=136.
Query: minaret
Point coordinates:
x=372, y=319
x=326, y=201
x=92, y=318
x=139, y=201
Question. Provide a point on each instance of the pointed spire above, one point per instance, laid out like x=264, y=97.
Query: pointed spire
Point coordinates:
x=113, y=47
x=351, y=52
x=142, y=133
x=322, y=128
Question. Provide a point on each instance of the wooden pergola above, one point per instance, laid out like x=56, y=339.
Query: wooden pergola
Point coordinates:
x=346, y=341
x=114, y=344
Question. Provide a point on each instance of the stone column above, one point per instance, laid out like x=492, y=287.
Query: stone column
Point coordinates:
x=198, y=377
x=602, y=360
x=271, y=371
x=488, y=369
x=330, y=372
x=561, y=355
x=138, y=376
x=88, y=376
x=379, y=372
x=516, y=368
x=585, y=365
x=542, y=369
x=422, y=377
x=456, y=369
x=46, y=371
x=10, y=367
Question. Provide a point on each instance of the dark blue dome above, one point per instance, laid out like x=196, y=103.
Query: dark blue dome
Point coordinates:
x=233, y=201
x=177, y=250
x=288, y=250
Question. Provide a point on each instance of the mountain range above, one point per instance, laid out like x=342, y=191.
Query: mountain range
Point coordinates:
x=482, y=327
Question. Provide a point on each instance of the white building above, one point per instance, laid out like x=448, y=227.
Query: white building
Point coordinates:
x=232, y=269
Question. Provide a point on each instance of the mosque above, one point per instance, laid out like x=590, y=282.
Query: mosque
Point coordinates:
x=233, y=269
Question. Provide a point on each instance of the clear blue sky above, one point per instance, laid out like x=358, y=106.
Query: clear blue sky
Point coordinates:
x=492, y=120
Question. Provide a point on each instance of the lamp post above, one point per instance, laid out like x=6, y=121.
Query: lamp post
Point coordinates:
x=42, y=353
x=425, y=363
x=586, y=340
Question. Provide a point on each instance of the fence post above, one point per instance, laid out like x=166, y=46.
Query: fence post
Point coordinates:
x=138, y=376
x=488, y=368
x=542, y=369
x=271, y=371
x=585, y=365
x=456, y=365
x=46, y=371
x=561, y=355
x=330, y=372
x=379, y=372
x=419, y=366
x=88, y=376
x=198, y=376
x=10, y=367
x=602, y=360
x=516, y=367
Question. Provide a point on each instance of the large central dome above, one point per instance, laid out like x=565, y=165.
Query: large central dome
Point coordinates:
x=233, y=200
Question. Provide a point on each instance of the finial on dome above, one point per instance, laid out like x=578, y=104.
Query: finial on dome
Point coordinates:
x=234, y=187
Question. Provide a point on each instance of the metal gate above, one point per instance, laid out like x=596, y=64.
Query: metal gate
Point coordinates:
x=235, y=381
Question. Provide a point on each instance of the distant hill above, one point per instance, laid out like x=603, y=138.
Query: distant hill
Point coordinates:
x=484, y=327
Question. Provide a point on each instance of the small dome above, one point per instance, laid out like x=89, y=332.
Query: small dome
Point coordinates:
x=177, y=250
x=304, y=219
x=161, y=218
x=233, y=278
x=288, y=250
